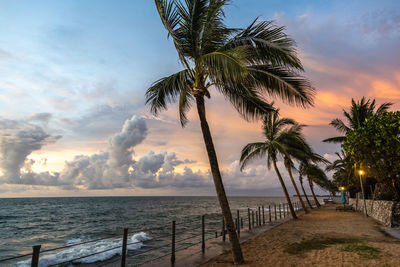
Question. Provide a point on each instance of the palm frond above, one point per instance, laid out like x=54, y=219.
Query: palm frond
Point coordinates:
x=283, y=83
x=340, y=125
x=337, y=139
x=269, y=45
x=166, y=90
x=252, y=151
x=384, y=107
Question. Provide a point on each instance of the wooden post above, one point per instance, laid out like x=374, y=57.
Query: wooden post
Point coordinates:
x=256, y=218
x=124, y=244
x=280, y=211
x=252, y=217
x=284, y=210
x=248, y=214
x=263, y=214
x=259, y=216
x=238, y=220
x=173, y=243
x=223, y=230
x=216, y=234
x=203, y=235
x=275, y=212
x=241, y=222
x=35, y=256
x=269, y=212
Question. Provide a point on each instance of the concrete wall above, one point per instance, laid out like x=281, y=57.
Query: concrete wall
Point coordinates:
x=387, y=212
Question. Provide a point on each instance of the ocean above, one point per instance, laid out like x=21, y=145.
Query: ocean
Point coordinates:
x=55, y=222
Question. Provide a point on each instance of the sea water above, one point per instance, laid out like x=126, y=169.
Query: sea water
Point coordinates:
x=55, y=222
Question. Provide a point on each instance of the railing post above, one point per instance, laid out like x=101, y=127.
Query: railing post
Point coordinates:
x=275, y=212
x=252, y=217
x=284, y=210
x=248, y=214
x=223, y=230
x=269, y=212
x=203, y=234
x=241, y=222
x=238, y=220
x=173, y=243
x=263, y=214
x=259, y=215
x=280, y=211
x=35, y=256
x=124, y=244
x=257, y=218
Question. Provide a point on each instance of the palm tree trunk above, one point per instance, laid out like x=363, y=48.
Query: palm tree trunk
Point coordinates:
x=297, y=190
x=312, y=191
x=304, y=192
x=284, y=190
x=219, y=187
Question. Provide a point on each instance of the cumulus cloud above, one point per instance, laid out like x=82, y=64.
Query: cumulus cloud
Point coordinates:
x=114, y=168
x=18, y=139
x=117, y=167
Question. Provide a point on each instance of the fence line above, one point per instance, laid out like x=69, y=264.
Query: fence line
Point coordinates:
x=255, y=217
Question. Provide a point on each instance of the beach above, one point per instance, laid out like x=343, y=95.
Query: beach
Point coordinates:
x=338, y=239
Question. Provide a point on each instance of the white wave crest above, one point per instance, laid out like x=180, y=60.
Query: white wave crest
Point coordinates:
x=134, y=242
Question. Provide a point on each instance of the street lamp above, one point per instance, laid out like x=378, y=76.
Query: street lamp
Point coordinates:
x=361, y=172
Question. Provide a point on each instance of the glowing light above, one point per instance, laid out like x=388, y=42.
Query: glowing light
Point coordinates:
x=342, y=188
x=361, y=172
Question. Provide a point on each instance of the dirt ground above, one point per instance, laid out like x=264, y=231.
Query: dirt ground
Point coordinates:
x=375, y=248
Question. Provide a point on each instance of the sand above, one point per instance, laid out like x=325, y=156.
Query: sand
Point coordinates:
x=268, y=249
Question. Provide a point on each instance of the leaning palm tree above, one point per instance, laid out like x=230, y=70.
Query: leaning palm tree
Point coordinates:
x=316, y=175
x=244, y=65
x=300, y=150
x=359, y=112
x=302, y=172
x=281, y=136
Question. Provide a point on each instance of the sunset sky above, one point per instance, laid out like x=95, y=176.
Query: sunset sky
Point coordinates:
x=73, y=76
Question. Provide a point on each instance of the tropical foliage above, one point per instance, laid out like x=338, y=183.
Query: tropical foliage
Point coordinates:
x=362, y=144
x=359, y=112
x=244, y=65
x=375, y=147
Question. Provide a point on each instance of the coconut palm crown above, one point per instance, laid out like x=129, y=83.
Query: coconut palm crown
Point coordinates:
x=245, y=65
x=282, y=138
x=359, y=112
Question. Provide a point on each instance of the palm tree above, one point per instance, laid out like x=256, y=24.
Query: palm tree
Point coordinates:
x=300, y=150
x=281, y=138
x=244, y=65
x=359, y=111
x=343, y=169
x=301, y=174
x=315, y=175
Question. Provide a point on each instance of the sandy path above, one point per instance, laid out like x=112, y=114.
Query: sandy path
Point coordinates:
x=268, y=248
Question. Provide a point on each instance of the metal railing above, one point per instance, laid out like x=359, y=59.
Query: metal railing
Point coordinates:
x=208, y=226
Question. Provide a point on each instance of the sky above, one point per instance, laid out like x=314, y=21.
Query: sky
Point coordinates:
x=73, y=76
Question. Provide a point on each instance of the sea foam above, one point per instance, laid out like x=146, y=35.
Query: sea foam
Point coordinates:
x=77, y=251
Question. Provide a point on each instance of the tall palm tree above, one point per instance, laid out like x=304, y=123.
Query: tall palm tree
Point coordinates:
x=359, y=111
x=244, y=65
x=281, y=136
x=299, y=150
x=315, y=175
x=301, y=174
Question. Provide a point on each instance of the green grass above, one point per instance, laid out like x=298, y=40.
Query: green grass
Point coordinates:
x=364, y=251
x=318, y=244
